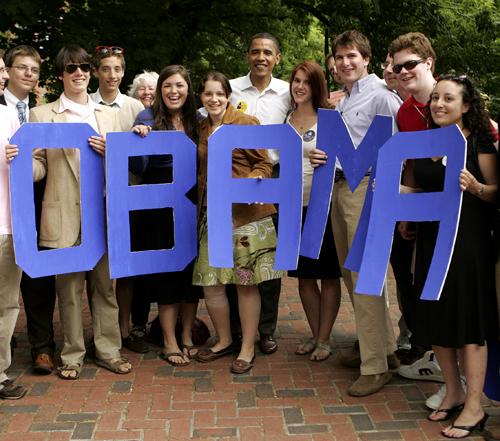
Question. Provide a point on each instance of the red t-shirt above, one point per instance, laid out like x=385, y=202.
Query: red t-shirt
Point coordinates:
x=413, y=116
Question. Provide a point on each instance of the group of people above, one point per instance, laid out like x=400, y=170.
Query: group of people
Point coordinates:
x=449, y=335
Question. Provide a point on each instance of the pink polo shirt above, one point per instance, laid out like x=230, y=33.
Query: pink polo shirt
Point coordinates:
x=9, y=123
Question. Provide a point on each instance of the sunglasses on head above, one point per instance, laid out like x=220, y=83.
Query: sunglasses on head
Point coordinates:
x=408, y=65
x=71, y=67
x=109, y=49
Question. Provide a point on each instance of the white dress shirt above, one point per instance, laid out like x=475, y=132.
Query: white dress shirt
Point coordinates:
x=269, y=106
x=12, y=101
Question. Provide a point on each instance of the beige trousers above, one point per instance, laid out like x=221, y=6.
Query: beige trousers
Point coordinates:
x=373, y=321
x=103, y=308
x=10, y=279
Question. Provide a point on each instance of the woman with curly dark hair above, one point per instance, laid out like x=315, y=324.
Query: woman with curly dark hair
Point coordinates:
x=465, y=316
x=173, y=109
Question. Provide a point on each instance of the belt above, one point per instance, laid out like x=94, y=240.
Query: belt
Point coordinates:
x=340, y=176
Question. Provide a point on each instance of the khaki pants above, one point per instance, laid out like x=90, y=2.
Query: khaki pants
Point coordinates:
x=104, y=311
x=10, y=279
x=373, y=321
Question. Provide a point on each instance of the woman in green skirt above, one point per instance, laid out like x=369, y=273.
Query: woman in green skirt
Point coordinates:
x=254, y=236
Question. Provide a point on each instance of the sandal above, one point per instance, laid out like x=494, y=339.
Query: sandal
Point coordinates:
x=189, y=351
x=321, y=347
x=448, y=413
x=479, y=426
x=307, y=347
x=240, y=366
x=118, y=365
x=166, y=357
x=73, y=371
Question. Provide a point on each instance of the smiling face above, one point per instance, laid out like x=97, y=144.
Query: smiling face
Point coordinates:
x=389, y=76
x=301, y=88
x=416, y=79
x=351, y=66
x=110, y=73
x=145, y=93
x=447, y=105
x=23, y=76
x=4, y=75
x=214, y=99
x=262, y=56
x=174, y=92
x=75, y=84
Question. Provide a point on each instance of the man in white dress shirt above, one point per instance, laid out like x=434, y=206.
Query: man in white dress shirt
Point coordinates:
x=261, y=95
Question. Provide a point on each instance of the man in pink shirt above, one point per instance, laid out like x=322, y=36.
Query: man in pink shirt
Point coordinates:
x=10, y=273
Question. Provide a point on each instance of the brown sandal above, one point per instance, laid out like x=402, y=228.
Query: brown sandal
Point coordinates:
x=166, y=356
x=115, y=365
x=240, y=366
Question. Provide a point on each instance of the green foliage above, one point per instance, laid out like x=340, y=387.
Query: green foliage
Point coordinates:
x=208, y=34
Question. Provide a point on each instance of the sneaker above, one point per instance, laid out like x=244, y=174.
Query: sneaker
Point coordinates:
x=10, y=391
x=426, y=368
x=434, y=401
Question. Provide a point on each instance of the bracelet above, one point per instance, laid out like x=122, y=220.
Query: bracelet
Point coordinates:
x=481, y=190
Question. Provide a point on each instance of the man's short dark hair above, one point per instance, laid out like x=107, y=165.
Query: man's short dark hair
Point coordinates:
x=22, y=51
x=415, y=42
x=355, y=39
x=2, y=53
x=266, y=36
x=71, y=53
x=100, y=56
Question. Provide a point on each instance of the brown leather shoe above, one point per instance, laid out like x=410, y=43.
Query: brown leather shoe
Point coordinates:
x=240, y=366
x=268, y=344
x=43, y=364
x=369, y=384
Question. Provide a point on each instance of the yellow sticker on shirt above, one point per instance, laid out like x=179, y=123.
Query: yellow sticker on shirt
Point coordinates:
x=242, y=106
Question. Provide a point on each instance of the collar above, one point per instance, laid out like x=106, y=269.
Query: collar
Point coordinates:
x=117, y=102
x=12, y=100
x=229, y=117
x=82, y=110
x=247, y=84
x=361, y=84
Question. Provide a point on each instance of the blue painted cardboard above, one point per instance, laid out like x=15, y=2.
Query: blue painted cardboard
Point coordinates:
x=93, y=244
x=122, y=198
x=223, y=190
x=389, y=206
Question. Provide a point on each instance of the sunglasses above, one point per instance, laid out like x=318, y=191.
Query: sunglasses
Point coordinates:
x=71, y=67
x=109, y=49
x=408, y=65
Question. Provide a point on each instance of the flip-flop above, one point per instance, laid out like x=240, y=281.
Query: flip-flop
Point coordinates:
x=448, y=413
x=189, y=348
x=166, y=357
x=69, y=368
x=114, y=364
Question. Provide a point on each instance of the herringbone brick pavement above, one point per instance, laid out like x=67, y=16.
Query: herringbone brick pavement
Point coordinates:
x=285, y=396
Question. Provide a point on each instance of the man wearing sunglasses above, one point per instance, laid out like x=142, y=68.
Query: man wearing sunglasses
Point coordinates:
x=23, y=64
x=414, y=61
x=61, y=218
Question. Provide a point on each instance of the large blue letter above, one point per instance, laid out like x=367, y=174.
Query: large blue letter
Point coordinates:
x=223, y=190
x=389, y=206
x=66, y=260
x=335, y=140
x=122, y=199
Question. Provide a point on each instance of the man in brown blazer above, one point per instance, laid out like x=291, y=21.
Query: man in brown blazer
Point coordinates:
x=61, y=218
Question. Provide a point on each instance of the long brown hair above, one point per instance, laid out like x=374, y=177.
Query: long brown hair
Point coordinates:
x=162, y=115
x=317, y=81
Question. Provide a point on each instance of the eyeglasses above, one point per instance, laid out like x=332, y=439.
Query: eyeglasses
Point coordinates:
x=107, y=49
x=408, y=65
x=71, y=67
x=3, y=70
x=26, y=69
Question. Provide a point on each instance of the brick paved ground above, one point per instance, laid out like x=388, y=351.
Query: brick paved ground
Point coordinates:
x=284, y=397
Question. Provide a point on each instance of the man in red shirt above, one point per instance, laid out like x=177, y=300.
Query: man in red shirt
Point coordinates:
x=413, y=63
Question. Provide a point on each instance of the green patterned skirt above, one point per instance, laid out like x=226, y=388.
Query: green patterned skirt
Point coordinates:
x=254, y=249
